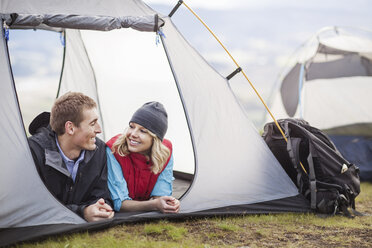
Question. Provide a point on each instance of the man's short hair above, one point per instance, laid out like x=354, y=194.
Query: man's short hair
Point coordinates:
x=69, y=107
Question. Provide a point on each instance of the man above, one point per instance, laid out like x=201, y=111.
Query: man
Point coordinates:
x=69, y=157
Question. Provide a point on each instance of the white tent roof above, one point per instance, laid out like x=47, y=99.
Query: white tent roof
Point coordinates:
x=330, y=81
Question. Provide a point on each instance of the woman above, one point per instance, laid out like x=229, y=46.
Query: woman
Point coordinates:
x=140, y=163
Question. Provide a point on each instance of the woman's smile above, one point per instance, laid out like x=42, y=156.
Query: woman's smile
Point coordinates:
x=138, y=138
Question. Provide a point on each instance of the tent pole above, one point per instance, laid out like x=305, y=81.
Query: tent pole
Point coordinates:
x=300, y=84
x=4, y=35
x=63, y=34
x=186, y=115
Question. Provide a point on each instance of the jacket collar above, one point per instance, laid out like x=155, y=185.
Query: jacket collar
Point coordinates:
x=54, y=160
x=47, y=138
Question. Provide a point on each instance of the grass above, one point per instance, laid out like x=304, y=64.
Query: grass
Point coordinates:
x=170, y=231
x=273, y=230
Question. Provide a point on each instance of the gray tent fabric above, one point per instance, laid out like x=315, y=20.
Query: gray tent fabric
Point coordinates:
x=289, y=90
x=235, y=172
x=322, y=67
x=103, y=23
x=115, y=8
x=353, y=66
x=20, y=186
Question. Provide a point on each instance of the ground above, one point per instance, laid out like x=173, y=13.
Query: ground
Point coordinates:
x=273, y=230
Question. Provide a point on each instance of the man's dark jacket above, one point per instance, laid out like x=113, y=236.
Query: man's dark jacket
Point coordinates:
x=91, y=178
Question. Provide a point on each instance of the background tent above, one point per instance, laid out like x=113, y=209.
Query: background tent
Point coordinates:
x=330, y=86
x=235, y=172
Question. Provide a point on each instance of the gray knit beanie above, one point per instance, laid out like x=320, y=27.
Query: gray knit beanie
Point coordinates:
x=152, y=116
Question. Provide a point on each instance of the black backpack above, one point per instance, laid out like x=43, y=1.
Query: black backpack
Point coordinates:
x=314, y=164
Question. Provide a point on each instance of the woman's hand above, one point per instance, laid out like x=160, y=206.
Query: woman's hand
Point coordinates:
x=164, y=204
x=167, y=204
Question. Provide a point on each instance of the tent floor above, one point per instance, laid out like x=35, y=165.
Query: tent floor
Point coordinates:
x=180, y=186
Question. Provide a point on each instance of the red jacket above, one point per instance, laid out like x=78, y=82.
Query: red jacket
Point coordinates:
x=136, y=170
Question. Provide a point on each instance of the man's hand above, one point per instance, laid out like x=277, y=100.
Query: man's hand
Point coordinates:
x=98, y=211
x=168, y=204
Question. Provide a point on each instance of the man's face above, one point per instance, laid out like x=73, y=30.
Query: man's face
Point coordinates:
x=84, y=137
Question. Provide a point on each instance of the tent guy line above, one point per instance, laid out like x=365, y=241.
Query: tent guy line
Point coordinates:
x=239, y=69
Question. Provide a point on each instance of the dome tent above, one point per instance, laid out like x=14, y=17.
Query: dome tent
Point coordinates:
x=235, y=172
x=329, y=86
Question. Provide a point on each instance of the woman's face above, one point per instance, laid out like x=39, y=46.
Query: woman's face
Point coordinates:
x=138, y=138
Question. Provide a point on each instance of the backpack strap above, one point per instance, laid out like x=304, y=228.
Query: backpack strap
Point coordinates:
x=357, y=213
x=312, y=180
x=311, y=172
x=293, y=149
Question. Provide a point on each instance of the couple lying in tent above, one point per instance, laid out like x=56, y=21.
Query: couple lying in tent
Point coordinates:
x=132, y=172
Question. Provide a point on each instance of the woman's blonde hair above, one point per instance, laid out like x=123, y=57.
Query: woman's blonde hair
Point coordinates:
x=159, y=153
